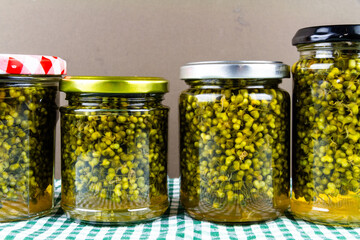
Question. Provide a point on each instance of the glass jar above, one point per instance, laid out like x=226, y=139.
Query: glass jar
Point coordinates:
x=28, y=116
x=114, y=149
x=326, y=146
x=234, y=141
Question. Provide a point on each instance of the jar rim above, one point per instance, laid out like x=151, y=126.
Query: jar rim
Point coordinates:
x=29, y=78
x=113, y=84
x=235, y=70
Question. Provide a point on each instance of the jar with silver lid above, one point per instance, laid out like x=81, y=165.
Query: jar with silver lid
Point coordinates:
x=234, y=141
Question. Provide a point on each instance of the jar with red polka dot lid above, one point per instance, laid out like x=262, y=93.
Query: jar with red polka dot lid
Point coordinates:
x=28, y=115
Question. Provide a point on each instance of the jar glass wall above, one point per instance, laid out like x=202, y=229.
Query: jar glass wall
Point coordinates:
x=114, y=154
x=28, y=114
x=234, y=143
x=326, y=153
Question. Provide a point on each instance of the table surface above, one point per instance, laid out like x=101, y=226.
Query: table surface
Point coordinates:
x=174, y=224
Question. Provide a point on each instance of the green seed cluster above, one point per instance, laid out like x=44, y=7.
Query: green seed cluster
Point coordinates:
x=27, y=122
x=114, y=153
x=234, y=146
x=327, y=126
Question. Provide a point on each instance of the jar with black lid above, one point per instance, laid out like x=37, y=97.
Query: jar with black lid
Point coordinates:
x=234, y=141
x=326, y=128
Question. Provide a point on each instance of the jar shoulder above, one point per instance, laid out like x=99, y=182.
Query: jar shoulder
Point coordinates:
x=69, y=108
x=208, y=95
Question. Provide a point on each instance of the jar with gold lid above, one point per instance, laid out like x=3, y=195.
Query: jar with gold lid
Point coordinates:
x=114, y=149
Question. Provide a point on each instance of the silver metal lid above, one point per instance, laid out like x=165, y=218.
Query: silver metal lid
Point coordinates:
x=235, y=70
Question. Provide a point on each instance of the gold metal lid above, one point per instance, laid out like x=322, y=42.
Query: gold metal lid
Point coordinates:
x=104, y=84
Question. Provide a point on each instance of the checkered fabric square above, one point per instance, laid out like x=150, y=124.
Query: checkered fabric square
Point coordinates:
x=174, y=224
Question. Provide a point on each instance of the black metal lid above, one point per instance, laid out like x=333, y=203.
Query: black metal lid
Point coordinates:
x=328, y=33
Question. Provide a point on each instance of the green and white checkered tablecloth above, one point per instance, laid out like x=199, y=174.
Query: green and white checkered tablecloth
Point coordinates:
x=175, y=224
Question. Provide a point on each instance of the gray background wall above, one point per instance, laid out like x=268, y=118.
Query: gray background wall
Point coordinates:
x=155, y=38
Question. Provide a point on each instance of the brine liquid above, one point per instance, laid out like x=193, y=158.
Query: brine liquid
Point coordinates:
x=342, y=210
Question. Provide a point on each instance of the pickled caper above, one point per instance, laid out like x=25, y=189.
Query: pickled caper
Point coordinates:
x=234, y=151
x=27, y=121
x=114, y=158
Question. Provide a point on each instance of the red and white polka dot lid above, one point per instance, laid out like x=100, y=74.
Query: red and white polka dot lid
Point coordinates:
x=31, y=64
